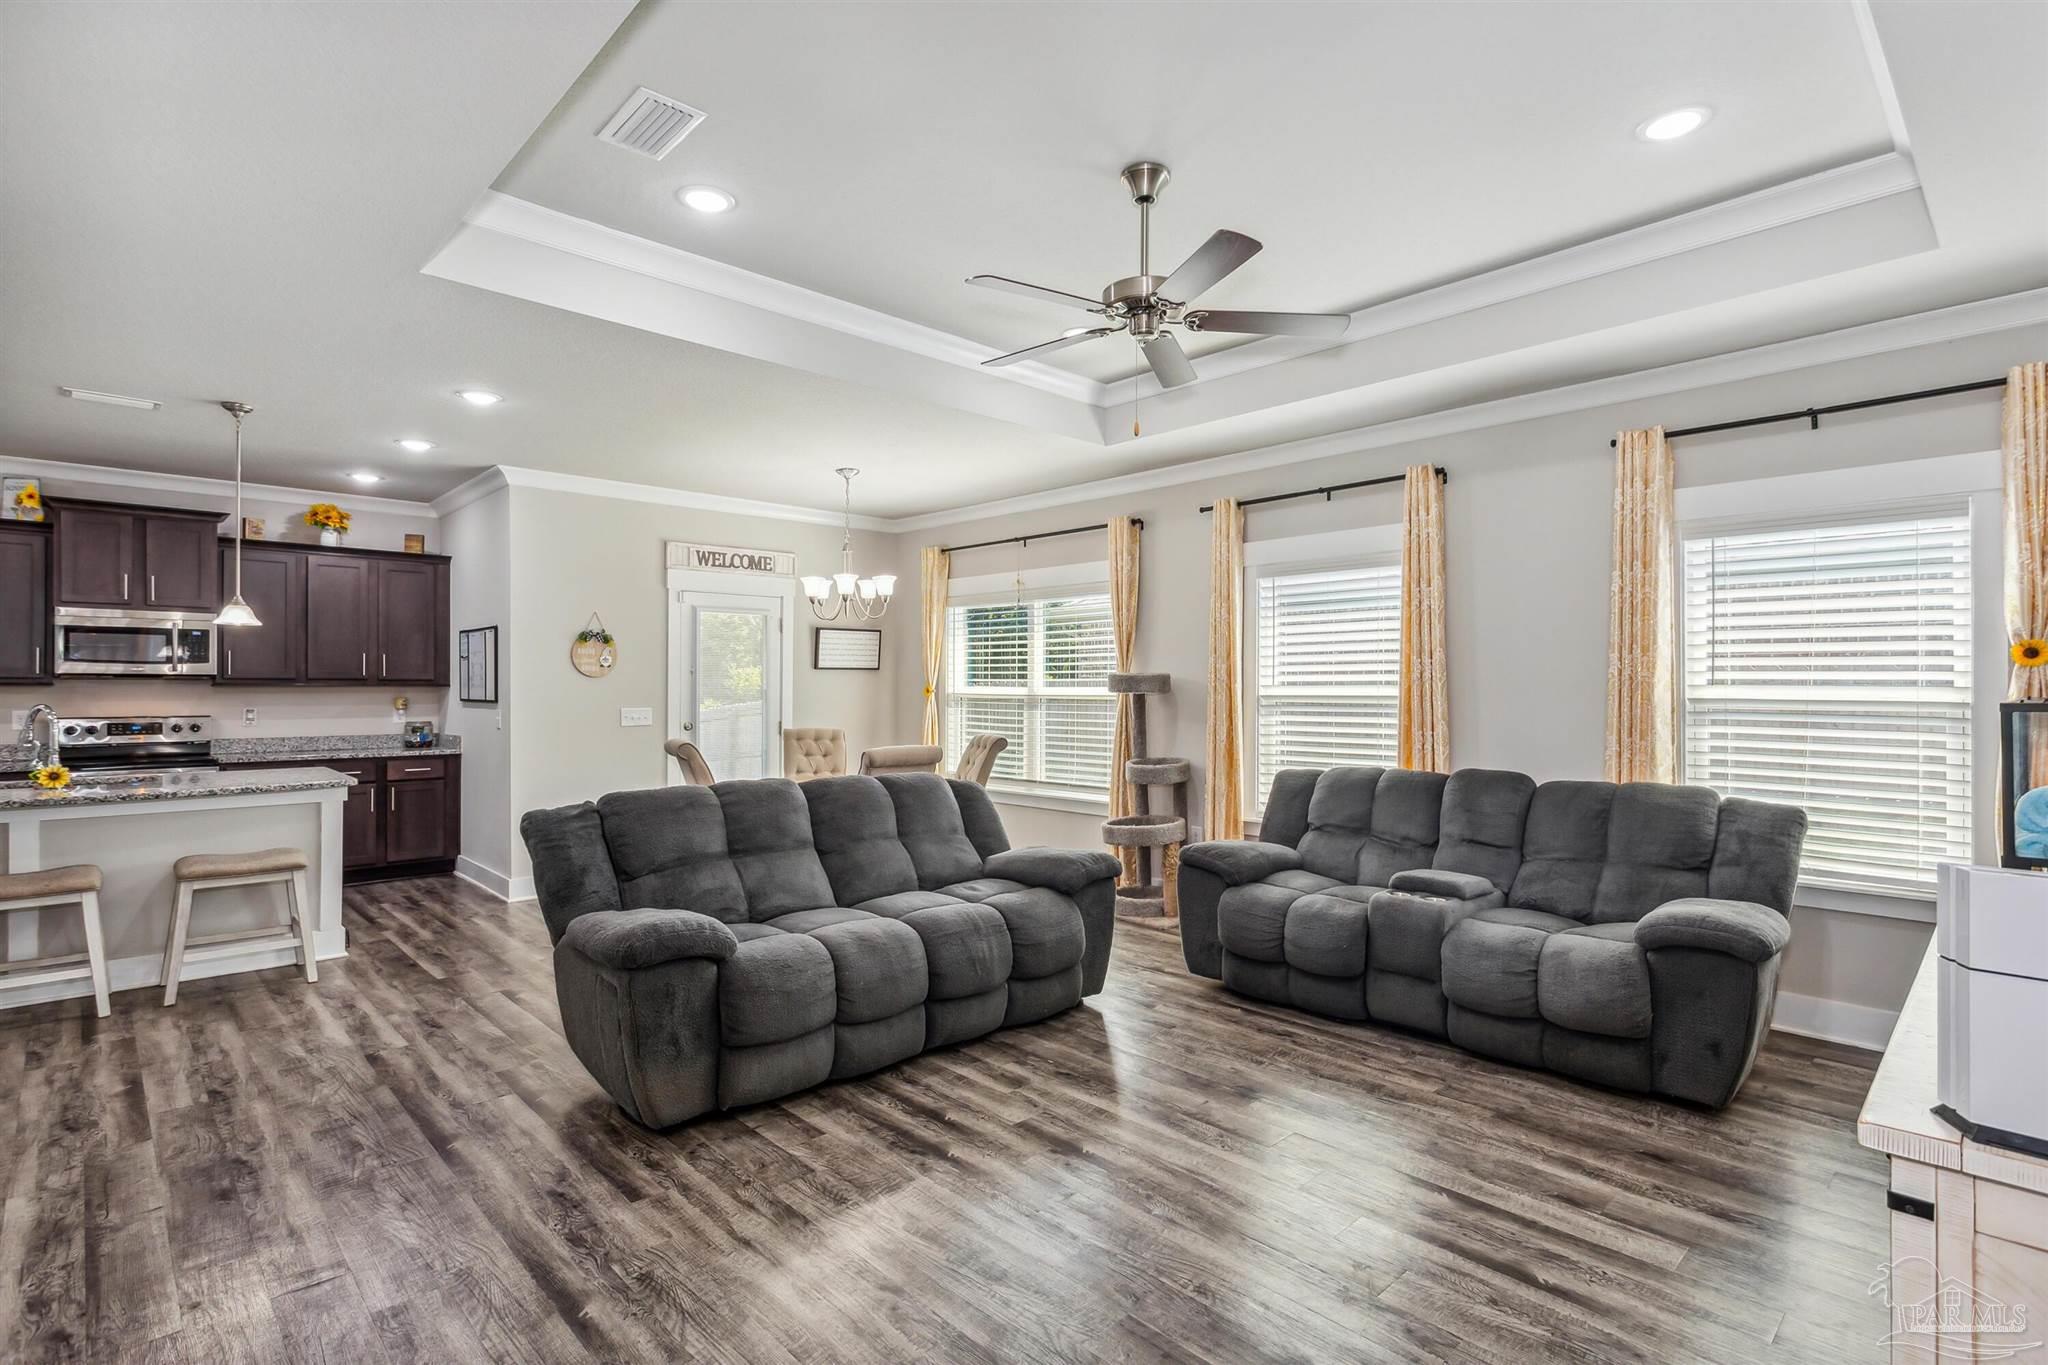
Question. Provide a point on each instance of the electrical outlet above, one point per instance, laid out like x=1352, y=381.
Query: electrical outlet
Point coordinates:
x=248, y=715
x=20, y=719
x=636, y=715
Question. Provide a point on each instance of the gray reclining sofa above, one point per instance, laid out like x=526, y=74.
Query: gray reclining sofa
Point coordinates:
x=1625, y=935
x=723, y=945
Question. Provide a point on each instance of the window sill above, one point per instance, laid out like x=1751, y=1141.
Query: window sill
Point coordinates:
x=1044, y=800
x=1918, y=909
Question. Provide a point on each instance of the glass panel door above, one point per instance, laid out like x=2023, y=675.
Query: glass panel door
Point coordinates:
x=734, y=700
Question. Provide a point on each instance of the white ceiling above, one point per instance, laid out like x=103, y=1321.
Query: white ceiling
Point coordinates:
x=204, y=202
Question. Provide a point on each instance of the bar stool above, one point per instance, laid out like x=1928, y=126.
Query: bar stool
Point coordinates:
x=213, y=871
x=77, y=885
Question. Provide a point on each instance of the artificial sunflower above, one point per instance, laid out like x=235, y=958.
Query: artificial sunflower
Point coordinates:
x=52, y=777
x=29, y=499
x=328, y=517
x=2030, y=653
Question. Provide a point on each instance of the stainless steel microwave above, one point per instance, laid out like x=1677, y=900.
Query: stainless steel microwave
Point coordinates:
x=116, y=643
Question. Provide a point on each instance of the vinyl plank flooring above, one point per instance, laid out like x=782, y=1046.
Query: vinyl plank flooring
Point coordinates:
x=405, y=1162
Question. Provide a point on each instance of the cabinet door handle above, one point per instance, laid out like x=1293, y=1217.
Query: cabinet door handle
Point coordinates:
x=383, y=665
x=124, y=587
x=231, y=663
x=39, y=659
x=366, y=663
x=419, y=770
x=373, y=800
x=152, y=587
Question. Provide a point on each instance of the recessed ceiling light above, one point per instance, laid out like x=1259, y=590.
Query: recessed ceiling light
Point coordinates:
x=481, y=398
x=119, y=400
x=415, y=444
x=1676, y=124
x=706, y=199
x=365, y=476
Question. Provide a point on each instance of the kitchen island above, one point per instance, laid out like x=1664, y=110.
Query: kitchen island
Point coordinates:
x=134, y=828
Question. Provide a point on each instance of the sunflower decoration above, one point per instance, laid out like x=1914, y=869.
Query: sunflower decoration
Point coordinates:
x=29, y=499
x=52, y=777
x=328, y=517
x=2030, y=653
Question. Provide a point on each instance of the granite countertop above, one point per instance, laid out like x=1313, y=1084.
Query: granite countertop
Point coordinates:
x=300, y=748
x=171, y=786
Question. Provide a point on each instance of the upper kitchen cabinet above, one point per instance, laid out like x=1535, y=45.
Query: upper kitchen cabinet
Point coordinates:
x=412, y=620
x=341, y=624
x=24, y=603
x=113, y=555
x=274, y=586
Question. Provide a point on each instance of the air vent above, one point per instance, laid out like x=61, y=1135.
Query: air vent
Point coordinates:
x=651, y=124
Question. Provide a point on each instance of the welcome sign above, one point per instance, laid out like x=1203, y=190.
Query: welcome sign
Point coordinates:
x=732, y=559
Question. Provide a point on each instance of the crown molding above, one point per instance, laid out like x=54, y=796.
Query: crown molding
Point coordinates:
x=514, y=217
x=1764, y=210
x=1999, y=314
x=584, y=485
x=195, y=483
x=470, y=490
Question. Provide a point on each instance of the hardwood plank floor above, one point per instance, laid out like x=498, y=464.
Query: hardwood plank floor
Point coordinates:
x=405, y=1163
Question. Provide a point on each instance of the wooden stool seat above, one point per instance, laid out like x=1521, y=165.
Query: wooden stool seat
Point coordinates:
x=208, y=871
x=53, y=888
x=206, y=867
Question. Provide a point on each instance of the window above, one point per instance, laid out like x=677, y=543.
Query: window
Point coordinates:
x=1828, y=666
x=1326, y=668
x=1035, y=671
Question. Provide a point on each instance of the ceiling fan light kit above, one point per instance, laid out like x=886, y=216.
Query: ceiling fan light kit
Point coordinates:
x=1147, y=306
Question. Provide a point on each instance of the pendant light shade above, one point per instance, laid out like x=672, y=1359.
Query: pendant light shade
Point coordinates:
x=237, y=612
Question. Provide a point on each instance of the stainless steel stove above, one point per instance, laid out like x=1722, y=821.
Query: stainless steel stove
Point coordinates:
x=134, y=746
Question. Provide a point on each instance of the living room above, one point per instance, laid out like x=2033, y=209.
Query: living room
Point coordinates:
x=788, y=790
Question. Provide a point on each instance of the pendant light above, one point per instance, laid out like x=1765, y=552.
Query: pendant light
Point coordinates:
x=237, y=612
x=846, y=594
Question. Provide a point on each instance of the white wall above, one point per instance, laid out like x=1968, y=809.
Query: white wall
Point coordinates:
x=1528, y=508
x=478, y=540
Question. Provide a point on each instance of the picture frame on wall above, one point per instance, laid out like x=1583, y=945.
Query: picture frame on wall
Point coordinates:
x=840, y=647
x=477, y=664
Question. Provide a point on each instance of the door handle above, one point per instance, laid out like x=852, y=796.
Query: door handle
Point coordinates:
x=124, y=587
x=366, y=663
x=231, y=663
x=373, y=800
x=383, y=665
x=688, y=726
x=152, y=587
x=39, y=659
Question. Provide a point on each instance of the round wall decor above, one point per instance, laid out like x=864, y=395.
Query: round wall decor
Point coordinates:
x=593, y=652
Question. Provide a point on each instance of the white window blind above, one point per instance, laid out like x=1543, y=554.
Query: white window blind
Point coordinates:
x=1828, y=666
x=1035, y=671
x=1326, y=668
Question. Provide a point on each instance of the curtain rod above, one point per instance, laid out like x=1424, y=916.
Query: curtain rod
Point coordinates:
x=1813, y=415
x=1042, y=535
x=1325, y=491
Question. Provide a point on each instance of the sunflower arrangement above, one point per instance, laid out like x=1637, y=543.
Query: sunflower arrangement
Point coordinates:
x=29, y=499
x=2030, y=653
x=52, y=777
x=328, y=517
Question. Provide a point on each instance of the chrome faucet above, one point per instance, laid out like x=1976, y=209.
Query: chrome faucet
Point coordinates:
x=41, y=754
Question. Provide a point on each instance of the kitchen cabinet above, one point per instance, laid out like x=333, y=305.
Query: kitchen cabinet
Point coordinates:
x=24, y=604
x=403, y=817
x=274, y=586
x=412, y=620
x=114, y=555
x=416, y=821
x=341, y=598
x=362, y=838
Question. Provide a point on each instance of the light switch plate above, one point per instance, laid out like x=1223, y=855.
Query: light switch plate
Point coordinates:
x=248, y=715
x=636, y=715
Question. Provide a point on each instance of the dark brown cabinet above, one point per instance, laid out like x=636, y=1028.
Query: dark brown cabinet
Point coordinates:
x=96, y=556
x=362, y=833
x=341, y=633
x=274, y=586
x=416, y=821
x=412, y=621
x=402, y=818
x=24, y=605
x=180, y=569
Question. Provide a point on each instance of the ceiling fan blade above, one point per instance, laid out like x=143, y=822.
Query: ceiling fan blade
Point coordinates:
x=1268, y=324
x=1168, y=361
x=1035, y=291
x=1046, y=347
x=1224, y=252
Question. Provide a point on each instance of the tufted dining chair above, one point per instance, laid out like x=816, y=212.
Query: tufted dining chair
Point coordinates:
x=978, y=759
x=813, y=752
x=901, y=758
x=690, y=759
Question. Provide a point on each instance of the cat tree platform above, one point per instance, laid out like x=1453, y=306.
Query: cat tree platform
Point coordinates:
x=1146, y=901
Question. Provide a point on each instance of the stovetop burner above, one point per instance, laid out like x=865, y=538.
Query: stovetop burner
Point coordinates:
x=134, y=745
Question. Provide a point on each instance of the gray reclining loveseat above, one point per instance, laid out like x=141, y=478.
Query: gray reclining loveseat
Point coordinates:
x=719, y=946
x=1625, y=935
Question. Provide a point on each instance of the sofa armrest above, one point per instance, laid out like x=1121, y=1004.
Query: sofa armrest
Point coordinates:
x=1741, y=929
x=1239, y=861
x=1065, y=870
x=1457, y=886
x=628, y=939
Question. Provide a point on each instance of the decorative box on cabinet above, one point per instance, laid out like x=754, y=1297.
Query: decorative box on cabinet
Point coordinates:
x=24, y=603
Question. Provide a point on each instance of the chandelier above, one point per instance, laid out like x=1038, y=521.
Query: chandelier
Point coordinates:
x=846, y=595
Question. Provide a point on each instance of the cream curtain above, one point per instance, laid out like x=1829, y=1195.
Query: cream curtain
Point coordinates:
x=1425, y=705
x=1224, y=811
x=2026, y=525
x=1642, y=675
x=1123, y=620
x=935, y=567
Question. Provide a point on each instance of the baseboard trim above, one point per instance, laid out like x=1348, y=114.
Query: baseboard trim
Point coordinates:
x=490, y=879
x=147, y=972
x=1834, y=1021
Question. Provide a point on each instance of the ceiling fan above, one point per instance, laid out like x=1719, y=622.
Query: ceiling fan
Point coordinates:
x=1147, y=305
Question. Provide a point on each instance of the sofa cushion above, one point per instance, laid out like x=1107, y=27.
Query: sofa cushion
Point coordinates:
x=1408, y=932
x=1484, y=814
x=1660, y=843
x=1300, y=880
x=669, y=851
x=1564, y=846
x=1595, y=980
x=745, y=931
x=775, y=988
x=1339, y=819
x=980, y=889
x=1046, y=935
x=1325, y=934
x=878, y=968
x=1490, y=959
x=1406, y=809
x=966, y=948
x=854, y=823
x=804, y=921
x=932, y=829
x=1756, y=853
x=1251, y=921
x=903, y=902
x=768, y=830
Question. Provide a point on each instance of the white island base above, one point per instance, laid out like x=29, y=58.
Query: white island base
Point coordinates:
x=134, y=831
